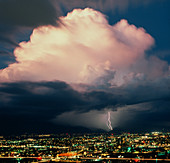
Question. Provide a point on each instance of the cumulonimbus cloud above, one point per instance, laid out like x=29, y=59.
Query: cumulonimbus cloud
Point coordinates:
x=84, y=48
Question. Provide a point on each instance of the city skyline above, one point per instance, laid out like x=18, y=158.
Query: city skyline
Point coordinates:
x=126, y=147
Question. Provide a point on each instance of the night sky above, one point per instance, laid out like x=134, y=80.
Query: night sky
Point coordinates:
x=68, y=63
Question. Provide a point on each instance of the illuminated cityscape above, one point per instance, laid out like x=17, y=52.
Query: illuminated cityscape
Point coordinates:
x=105, y=147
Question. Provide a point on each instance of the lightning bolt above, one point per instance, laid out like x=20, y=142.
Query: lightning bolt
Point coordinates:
x=109, y=124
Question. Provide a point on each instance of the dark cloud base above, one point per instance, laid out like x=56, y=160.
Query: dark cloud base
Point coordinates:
x=31, y=106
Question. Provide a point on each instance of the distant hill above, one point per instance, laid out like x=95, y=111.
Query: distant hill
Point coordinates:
x=46, y=128
x=117, y=131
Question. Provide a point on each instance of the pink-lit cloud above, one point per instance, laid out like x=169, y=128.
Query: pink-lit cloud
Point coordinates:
x=84, y=49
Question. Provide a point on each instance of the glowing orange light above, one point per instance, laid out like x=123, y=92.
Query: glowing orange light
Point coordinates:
x=39, y=158
x=67, y=154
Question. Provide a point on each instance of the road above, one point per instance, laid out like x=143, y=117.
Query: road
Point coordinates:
x=89, y=158
x=142, y=159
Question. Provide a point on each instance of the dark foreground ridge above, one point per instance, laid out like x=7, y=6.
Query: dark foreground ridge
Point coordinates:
x=100, y=147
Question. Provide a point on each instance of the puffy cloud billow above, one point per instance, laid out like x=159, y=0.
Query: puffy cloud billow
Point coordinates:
x=83, y=49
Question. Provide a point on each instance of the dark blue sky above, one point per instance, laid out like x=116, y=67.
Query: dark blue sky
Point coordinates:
x=154, y=18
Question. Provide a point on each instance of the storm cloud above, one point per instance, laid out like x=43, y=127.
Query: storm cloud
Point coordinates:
x=71, y=68
x=57, y=102
x=74, y=55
